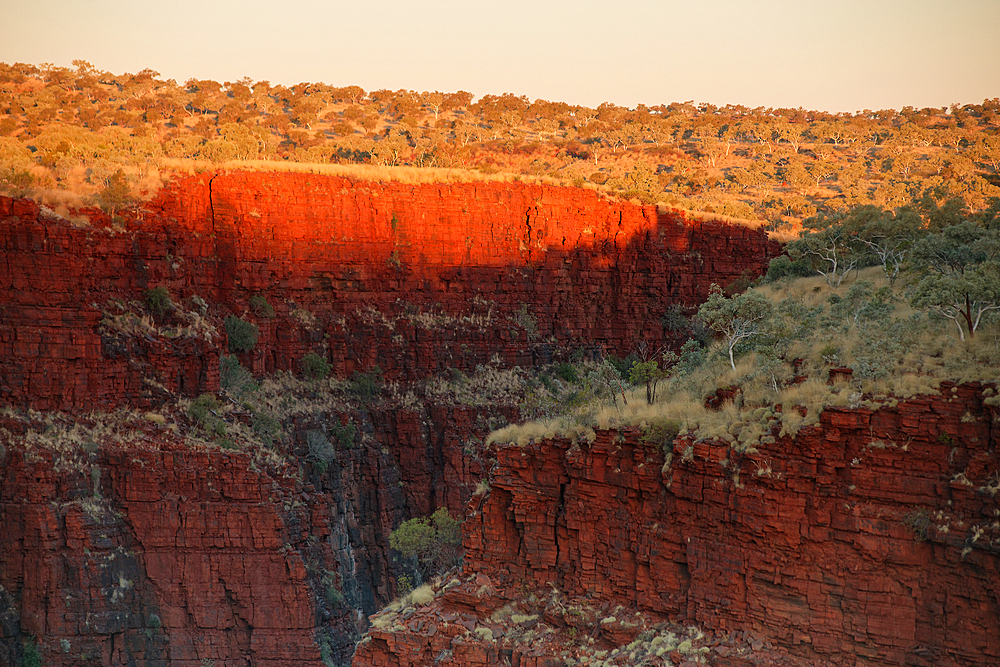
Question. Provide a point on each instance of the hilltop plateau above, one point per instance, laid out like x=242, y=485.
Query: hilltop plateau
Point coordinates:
x=66, y=132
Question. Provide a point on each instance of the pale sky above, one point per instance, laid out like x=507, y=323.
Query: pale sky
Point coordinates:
x=835, y=55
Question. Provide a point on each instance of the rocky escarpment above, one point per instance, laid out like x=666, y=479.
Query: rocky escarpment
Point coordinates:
x=872, y=538
x=123, y=543
x=340, y=262
x=168, y=557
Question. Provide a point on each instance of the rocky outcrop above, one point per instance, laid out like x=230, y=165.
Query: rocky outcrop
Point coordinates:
x=156, y=557
x=872, y=538
x=414, y=278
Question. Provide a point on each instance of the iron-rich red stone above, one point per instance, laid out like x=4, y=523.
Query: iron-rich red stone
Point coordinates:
x=587, y=272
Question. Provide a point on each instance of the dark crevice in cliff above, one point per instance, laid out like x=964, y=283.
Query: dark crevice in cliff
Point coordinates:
x=211, y=204
x=527, y=225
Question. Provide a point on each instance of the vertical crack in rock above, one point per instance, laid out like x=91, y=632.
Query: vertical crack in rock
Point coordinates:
x=527, y=225
x=211, y=203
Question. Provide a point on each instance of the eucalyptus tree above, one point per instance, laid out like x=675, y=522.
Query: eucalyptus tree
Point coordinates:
x=832, y=246
x=737, y=318
x=957, y=274
x=887, y=236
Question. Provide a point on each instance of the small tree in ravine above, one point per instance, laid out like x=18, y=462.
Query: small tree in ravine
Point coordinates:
x=435, y=541
x=737, y=318
x=649, y=372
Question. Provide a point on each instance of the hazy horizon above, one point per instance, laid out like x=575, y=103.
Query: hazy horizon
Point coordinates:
x=841, y=57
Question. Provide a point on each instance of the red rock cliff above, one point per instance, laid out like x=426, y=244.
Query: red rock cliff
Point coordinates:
x=152, y=554
x=586, y=271
x=870, y=539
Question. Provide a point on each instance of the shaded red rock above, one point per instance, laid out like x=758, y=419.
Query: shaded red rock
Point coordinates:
x=858, y=542
x=179, y=557
x=591, y=272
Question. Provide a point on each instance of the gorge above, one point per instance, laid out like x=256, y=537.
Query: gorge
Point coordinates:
x=133, y=534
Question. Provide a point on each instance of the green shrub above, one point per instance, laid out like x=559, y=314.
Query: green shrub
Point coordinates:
x=675, y=321
x=203, y=407
x=266, y=426
x=242, y=334
x=366, y=386
x=880, y=346
x=693, y=355
x=261, y=306
x=344, y=434
x=234, y=378
x=203, y=411
x=567, y=372
x=333, y=597
x=649, y=373
x=315, y=367
x=158, y=300
x=32, y=658
x=436, y=542
x=331, y=591
x=783, y=267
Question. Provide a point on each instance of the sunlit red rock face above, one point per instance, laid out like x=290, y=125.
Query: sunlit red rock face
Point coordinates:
x=870, y=539
x=588, y=273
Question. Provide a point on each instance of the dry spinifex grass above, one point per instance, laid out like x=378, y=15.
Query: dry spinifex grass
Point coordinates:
x=930, y=354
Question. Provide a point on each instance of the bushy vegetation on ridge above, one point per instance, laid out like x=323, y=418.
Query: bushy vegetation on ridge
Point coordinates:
x=80, y=135
x=898, y=302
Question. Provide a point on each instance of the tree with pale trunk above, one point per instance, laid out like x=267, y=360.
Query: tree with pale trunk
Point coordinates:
x=831, y=244
x=737, y=318
x=958, y=274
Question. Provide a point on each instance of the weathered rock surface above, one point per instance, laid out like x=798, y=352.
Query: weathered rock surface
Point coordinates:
x=168, y=557
x=414, y=278
x=870, y=539
x=152, y=552
x=342, y=263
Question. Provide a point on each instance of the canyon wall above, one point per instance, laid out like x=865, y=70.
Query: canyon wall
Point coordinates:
x=872, y=538
x=152, y=551
x=339, y=261
x=149, y=551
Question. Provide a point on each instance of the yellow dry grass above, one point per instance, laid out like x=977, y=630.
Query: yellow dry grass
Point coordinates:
x=768, y=401
x=363, y=172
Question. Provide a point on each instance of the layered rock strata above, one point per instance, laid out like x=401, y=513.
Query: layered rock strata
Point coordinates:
x=130, y=546
x=414, y=278
x=145, y=551
x=872, y=538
